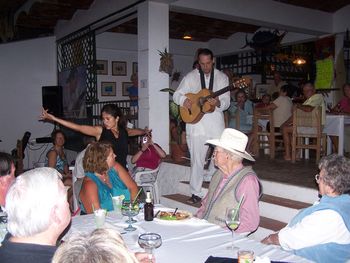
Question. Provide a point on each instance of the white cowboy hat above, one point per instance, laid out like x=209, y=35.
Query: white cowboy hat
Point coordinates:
x=233, y=141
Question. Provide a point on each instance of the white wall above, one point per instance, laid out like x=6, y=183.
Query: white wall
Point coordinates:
x=25, y=67
x=123, y=47
x=115, y=47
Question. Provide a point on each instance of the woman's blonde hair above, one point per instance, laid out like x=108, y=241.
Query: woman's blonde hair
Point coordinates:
x=95, y=158
x=101, y=246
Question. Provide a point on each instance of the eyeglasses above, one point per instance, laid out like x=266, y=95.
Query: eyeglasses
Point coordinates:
x=318, y=177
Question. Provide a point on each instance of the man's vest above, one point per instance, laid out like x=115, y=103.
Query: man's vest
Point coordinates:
x=216, y=207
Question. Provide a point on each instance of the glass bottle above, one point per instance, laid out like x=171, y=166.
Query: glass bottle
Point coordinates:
x=148, y=207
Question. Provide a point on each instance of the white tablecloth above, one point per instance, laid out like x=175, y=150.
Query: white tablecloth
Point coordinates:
x=335, y=126
x=192, y=240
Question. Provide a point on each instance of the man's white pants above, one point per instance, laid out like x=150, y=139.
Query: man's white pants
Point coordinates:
x=198, y=150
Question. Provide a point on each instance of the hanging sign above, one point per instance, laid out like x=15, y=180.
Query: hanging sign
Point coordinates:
x=324, y=73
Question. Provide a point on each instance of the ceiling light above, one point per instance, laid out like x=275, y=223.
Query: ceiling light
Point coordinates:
x=187, y=36
x=299, y=61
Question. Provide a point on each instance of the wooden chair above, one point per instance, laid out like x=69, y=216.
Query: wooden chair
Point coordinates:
x=308, y=125
x=262, y=115
x=236, y=118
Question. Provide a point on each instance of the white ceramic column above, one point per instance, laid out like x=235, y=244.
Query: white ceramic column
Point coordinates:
x=153, y=35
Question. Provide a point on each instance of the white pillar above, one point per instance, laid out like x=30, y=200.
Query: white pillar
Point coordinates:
x=153, y=35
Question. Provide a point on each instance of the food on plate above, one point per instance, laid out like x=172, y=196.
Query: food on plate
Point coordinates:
x=170, y=215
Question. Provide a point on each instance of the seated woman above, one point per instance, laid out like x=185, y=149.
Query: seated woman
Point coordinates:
x=245, y=108
x=321, y=233
x=104, y=178
x=56, y=157
x=231, y=182
x=343, y=107
x=149, y=155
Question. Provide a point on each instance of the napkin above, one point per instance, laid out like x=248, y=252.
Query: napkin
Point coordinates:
x=212, y=259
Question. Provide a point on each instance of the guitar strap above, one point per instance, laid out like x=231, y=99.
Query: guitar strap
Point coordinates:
x=211, y=82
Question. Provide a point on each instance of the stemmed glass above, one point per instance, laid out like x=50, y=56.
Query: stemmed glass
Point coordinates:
x=130, y=209
x=232, y=222
x=150, y=241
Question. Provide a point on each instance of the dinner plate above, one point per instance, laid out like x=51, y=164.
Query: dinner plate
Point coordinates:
x=179, y=216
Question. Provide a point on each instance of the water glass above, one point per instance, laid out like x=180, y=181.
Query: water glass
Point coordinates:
x=100, y=217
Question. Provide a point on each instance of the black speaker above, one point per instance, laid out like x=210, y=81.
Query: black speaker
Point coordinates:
x=52, y=99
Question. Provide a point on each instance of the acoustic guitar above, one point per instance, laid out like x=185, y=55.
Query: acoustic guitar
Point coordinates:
x=200, y=104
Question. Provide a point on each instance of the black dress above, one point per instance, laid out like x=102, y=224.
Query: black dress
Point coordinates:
x=120, y=144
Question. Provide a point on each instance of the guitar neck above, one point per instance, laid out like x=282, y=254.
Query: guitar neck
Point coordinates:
x=222, y=91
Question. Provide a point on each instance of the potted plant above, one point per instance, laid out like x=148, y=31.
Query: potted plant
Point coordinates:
x=178, y=145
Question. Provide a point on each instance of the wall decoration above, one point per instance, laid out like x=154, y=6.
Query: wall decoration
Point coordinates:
x=102, y=67
x=108, y=89
x=118, y=68
x=73, y=84
x=134, y=67
x=125, y=86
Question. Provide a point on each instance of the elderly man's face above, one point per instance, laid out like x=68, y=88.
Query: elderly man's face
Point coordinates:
x=308, y=90
x=220, y=157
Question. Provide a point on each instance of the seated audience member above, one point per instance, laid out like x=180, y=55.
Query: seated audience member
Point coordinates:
x=231, y=182
x=277, y=83
x=149, y=155
x=321, y=233
x=7, y=176
x=78, y=173
x=56, y=157
x=282, y=108
x=245, y=108
x=343, y=107
x=312, y=100
x=102, y=245
x=104, y=178
x=265, y=101
x=38, y=212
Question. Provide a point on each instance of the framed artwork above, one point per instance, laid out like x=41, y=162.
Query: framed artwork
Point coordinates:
x=102, y=67
x=134, y=67
x=125, y=87
x=118, y=68
x=108, y=89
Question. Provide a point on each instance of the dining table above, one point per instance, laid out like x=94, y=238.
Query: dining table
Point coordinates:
x=335, y=125
x=190, y=240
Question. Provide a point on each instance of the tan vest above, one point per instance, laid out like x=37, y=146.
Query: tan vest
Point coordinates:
x=216, y=208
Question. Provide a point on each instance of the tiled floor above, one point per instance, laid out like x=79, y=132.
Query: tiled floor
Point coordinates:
x=301, y=173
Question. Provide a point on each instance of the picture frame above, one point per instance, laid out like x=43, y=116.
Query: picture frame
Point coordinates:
x=119, y=68
x=108, y=89
x=102, y=67
x=134, y=67
x=125, y=86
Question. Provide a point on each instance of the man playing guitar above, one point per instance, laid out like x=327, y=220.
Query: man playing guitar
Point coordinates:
x=211, y=125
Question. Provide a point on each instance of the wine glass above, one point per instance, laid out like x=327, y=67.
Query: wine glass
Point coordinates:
x=130, y=209
x=150, y=241
x=232, y=222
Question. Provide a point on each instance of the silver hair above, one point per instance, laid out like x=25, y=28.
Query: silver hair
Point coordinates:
x=101, y=246
x=30, y=200
x=234, y=157
x=336, y=173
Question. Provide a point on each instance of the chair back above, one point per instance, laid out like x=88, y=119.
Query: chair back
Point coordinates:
x=147, y=179
x=262, y=138
x=307, y=123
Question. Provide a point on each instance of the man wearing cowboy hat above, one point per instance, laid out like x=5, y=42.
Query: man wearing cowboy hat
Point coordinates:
x=230, y=182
